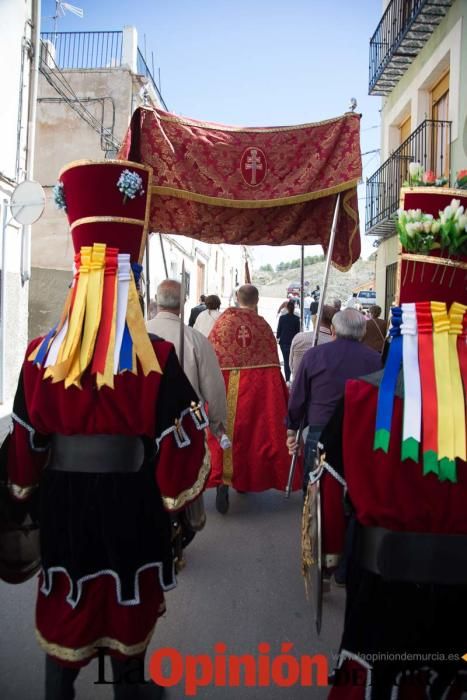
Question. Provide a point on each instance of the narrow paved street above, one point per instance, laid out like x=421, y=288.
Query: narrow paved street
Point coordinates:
x=241, y=586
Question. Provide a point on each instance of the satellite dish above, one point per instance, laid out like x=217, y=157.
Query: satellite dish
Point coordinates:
x=27, y=202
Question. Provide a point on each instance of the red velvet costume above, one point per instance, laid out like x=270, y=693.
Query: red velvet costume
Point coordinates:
x=406, y=614
x=105, y=532
x=256, y=406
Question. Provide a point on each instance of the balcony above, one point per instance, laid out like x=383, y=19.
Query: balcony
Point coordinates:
x=403, y=31
x=429, y=145
x=92, y=51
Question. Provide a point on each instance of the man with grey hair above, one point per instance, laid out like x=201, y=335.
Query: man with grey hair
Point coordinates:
x=321, y=377
x=199, y=359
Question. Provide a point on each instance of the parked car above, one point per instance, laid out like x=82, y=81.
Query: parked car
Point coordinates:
x=295, y=287
x=366, y=298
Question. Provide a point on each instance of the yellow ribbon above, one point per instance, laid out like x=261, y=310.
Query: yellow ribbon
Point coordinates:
x=70, y=346
x=93, y=304
x=456, y=315
x=107, y=378
x=443, y=381
x=139, y=335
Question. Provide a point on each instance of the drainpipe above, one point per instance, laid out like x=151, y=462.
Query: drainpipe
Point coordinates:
x=31, y=133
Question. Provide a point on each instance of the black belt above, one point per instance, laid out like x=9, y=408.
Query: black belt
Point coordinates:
x=413, y=556
x=96, y=454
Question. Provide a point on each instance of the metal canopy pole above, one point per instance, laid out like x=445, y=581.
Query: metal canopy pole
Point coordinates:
x=326, y=270
x=302, y=284
x=163, y=256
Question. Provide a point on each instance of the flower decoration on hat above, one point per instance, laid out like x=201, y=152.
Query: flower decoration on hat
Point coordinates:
x=59, y=195
x=461, y=180
x=421, y=233
x=130, y=184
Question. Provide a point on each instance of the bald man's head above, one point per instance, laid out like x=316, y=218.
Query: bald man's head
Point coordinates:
x=168, y=296
x=248, y=296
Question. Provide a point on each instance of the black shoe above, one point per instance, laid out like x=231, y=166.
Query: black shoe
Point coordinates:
x=222, y=499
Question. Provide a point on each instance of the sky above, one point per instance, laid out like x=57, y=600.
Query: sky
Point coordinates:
x=253, y=63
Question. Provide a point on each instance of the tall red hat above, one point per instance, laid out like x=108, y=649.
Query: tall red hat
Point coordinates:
x=434, y=275
x=107, y=202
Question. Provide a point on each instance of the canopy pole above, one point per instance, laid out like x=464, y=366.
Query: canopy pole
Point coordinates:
x=163, y=256
x=326, y=270
x=148, y=283
x=302, y=284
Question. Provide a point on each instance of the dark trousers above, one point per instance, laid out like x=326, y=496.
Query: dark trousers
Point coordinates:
x=285, y=349
x=59, y=680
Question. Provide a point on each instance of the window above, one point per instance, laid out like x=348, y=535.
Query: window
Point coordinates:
x=405, y=154
x=440, y=112
x=391, y=284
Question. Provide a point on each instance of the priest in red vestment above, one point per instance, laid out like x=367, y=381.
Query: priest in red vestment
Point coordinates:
x=256, y=404
x=109, y=427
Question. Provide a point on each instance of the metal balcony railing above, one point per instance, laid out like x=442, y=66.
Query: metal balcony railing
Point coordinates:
x=402, y=32
x=142, y=69
x=93, y=50
x=429, y=145
x=86, y=50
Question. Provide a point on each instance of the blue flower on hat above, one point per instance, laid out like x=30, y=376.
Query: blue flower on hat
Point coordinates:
x=130, y=184
x=59, y=195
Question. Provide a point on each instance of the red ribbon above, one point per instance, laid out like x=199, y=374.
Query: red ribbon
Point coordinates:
x=108, y=297
x=427, y=377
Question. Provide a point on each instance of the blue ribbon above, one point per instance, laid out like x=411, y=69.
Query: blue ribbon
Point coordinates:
x=388, y=384
x=126, y=351
x=42, y=352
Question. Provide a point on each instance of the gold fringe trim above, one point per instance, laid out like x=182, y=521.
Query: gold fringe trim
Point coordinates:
x=86, y=652
x=353, y=215
x=232, y=397
x=166, y=117
x=84, y=161
x=252, y=203
x=107, y=220
x=447, y=262
x=191, y=493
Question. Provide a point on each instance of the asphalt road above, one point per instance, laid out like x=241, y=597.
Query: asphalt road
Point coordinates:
x=241, y=586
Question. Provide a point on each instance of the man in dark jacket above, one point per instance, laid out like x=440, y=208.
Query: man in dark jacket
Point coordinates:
x=196, y=310
x=287, y=328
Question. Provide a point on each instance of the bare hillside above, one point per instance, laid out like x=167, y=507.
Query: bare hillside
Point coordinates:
x=340, y=284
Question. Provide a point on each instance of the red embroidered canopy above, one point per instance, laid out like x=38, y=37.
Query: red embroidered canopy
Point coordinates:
x=271, y=185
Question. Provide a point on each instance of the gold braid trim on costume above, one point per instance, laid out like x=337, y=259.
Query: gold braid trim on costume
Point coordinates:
x=232, y=397
x=191, y=493
x=307, y=545
x=252, y=203
x=87, y=652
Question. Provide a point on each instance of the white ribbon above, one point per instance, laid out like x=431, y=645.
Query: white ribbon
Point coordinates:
x=122, y=303
x=412, y=389
x=55, y=347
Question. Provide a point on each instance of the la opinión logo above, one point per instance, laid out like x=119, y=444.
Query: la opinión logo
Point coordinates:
x=225, y=670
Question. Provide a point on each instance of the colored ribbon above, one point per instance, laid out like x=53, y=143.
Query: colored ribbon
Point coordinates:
x=456, y=314
x=139, y=335
x=428, y=387
x=93, y=305
x=412, y=392
x=71, y=343
x=124, y=276
x=447, y=465
x=108, y=300
x=388, y=384
x=107, y=377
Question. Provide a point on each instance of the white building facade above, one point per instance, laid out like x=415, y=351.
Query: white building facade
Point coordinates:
x=418, y=65
x=18, y=39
